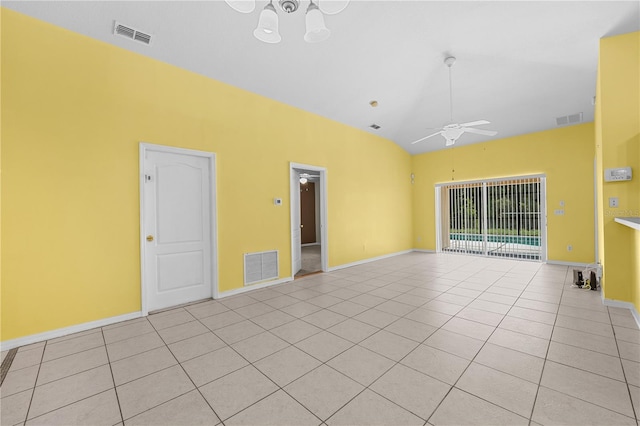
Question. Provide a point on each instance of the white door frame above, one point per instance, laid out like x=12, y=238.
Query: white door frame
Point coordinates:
x=295, y=209
x=211, y=158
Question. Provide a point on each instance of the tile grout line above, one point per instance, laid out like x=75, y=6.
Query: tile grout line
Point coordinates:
x=338, y=354
x=71, y=375
x=113, y=380
x=624, y=374
x=260, y=371
x=184, y=371
x=398, y=362
x=231, y=372
x=544, y=364
x=474, y=357
x=44, y=349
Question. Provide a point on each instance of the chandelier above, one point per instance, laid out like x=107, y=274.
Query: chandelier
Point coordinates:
x=267, y=29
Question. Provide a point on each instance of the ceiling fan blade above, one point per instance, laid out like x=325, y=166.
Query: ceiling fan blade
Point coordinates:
x=480, y=131
x=475, y=123
x=242, y=6
x=427, y=137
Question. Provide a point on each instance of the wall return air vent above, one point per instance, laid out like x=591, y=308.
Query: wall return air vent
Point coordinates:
x=260, y=267
x=131, y=33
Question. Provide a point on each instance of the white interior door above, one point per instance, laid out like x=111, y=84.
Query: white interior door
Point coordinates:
x=177, y=227
x=296, y=232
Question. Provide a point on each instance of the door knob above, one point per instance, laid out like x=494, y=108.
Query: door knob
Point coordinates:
x=149, y=238
x=301, y=226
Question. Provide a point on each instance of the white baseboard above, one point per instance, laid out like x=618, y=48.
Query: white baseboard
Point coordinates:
x=562, y=263
x=371, y=259
x=620, y=304
x=253, y=287
x=40, y=337
x=423, y=250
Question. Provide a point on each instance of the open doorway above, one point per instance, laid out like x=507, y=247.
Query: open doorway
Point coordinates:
x=308, y=219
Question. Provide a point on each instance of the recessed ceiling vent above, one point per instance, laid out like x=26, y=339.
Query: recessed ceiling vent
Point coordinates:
x=569, y=119
x=375, y=126
x=131, y=33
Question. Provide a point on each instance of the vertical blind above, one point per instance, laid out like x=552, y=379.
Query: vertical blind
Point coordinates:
x=493, y=218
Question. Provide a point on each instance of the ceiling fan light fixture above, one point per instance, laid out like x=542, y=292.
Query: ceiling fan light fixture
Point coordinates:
x=316, y=29
x=267, y=29
x=453, y=133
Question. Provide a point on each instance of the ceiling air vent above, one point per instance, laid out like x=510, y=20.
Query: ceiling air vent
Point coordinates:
x=131, y=33
x=569, y=119
x=375, y=126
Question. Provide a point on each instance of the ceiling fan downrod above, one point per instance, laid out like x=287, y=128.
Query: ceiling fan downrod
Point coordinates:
x=449, y=61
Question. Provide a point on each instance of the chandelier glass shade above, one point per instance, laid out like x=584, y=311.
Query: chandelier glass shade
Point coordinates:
x=316, y=29
x=267, y=29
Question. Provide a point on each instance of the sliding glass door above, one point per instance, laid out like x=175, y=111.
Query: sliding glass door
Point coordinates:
x=500, y=217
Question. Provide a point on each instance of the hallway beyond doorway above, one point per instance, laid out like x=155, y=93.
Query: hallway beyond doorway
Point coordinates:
x=311, y=260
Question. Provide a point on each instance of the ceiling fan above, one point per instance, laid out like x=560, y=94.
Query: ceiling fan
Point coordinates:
x=451, y=132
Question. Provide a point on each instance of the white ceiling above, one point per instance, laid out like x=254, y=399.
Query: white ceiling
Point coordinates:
x=520, y=64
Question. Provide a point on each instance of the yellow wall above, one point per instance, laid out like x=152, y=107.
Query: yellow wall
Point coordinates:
x=618, y=145
x=564, y=155
x=73, y=113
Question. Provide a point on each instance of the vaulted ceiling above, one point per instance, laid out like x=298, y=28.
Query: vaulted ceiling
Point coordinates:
x=519, y=64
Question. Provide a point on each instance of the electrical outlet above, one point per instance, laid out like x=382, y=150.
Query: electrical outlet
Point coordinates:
x=569, y=247
x=419, y=239
x=614, y=202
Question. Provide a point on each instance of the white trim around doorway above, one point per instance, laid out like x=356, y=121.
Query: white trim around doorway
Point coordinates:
x=324, y=236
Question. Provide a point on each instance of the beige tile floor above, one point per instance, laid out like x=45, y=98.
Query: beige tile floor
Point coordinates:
x=414, y=339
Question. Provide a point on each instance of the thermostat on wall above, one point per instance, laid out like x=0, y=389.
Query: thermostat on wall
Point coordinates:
x=617, y=174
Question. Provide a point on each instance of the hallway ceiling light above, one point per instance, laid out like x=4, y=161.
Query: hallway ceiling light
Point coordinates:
x=304, y=177
x=268, y=24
